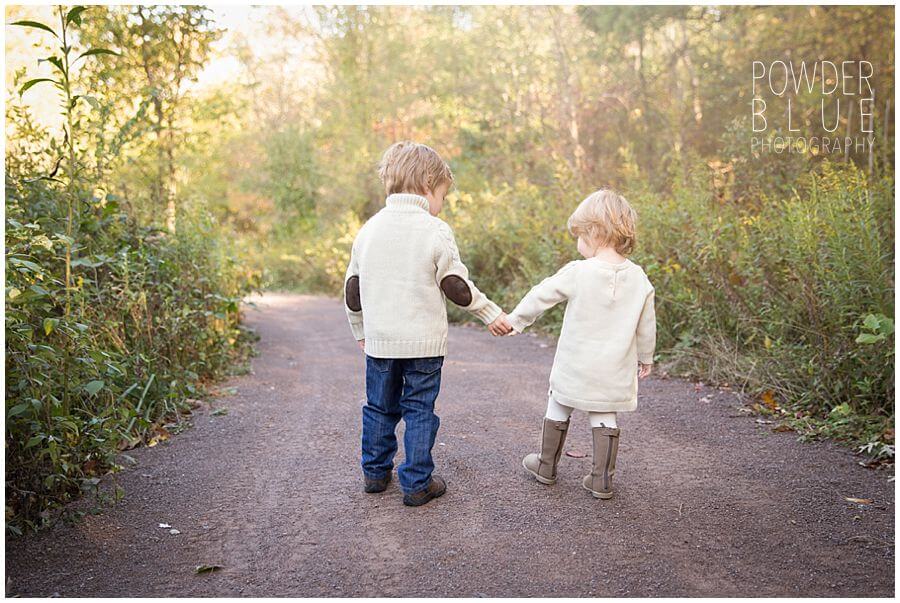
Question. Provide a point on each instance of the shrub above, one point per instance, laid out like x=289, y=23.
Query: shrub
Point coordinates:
x=153, y=318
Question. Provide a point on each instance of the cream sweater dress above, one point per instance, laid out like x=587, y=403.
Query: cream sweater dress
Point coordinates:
x=609, y=326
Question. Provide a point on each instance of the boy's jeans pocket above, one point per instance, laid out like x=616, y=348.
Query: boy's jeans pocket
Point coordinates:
x=427, y=365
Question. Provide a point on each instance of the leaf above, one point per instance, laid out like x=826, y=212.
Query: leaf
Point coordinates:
x=34, y=24
x=871, y=322
x=768, y=398
x=17, y=410
x=50, y=324
x=174, y=532
x=861, y=501
x=56, y=62
x=219, y=412
x=93, y=102
x=206, y=568
x=783, y=428
x=575, y=454
x=869, y=338
x=74, y=15
x=93, y=387
x=13, y=293
x=96, y=51
x=31, y=83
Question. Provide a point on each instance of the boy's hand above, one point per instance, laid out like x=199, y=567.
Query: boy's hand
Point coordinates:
x=362, y=344
x=644, y=370
x=500, y=326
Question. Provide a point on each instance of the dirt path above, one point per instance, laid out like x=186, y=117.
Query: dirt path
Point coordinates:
x=707, y=501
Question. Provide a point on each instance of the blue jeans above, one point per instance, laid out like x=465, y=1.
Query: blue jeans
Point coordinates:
x=395, y=388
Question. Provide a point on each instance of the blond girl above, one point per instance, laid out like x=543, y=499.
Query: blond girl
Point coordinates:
x=607, y=340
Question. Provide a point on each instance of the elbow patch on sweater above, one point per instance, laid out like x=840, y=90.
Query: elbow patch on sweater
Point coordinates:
x=351, y=294
x=457, y=290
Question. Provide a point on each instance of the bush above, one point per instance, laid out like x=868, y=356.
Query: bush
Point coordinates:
x=151, y=318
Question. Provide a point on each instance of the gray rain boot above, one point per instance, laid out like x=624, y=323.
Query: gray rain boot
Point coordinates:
x=543, y=466
x=606, y=446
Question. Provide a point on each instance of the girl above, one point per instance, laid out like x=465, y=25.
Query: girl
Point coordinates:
x=607, y=339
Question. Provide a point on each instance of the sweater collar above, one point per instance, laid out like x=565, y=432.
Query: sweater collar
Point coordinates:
x=406, y=202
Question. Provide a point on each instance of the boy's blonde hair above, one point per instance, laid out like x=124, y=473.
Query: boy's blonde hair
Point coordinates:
x=410, y=167
x=605, y=219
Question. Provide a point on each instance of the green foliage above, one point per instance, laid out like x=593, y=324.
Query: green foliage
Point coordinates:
x=154, y=317
x=110, y=324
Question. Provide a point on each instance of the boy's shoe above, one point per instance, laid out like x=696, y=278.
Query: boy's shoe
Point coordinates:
x=373, y=486
x=436, y=488
x=542, y=466
x=606, y=447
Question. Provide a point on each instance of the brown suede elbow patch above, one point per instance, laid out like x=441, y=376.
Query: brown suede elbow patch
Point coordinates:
x=457, y=290
x=351, y=294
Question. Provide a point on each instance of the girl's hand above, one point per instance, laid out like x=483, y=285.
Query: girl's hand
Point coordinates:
x=362, y=344
x=500, y=326
x=644, y=370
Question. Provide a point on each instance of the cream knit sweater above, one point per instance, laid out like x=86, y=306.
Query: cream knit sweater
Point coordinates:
x=401, y=256
x=609, y=326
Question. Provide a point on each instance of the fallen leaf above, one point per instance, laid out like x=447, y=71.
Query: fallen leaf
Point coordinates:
x=763, y=422
x=888, y=435
x=768, y=398
x=205, y=568
x=165, y=525
x=219, y=412
x=783, y=427
x=174, y=532
x=575, y=454
x=861, y=501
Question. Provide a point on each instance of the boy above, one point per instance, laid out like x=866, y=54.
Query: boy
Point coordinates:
x=404, y=263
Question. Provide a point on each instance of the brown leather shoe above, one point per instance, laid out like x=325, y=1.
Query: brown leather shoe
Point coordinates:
x=374, y=486
x=436, y=488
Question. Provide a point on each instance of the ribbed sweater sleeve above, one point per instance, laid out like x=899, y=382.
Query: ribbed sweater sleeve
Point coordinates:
x=354, y=316
x=543, y=296
x=448, y=263
x=646, y=330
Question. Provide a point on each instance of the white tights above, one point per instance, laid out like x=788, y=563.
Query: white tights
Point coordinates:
x=558, y=412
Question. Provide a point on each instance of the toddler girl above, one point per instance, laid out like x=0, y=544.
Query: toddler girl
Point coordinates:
x=607, y=339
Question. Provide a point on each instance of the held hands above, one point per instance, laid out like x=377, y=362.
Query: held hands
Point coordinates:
x=362, y=344
x=500, y=326
x=644, y=370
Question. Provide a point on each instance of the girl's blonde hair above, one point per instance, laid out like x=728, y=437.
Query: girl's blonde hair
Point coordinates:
x=605, y=219
x=410, y=167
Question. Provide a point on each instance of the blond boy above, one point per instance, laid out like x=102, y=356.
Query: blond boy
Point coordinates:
x=607, y=339
x=404, y=264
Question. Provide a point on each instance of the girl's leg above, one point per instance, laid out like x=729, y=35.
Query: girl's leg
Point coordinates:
x=602, y=419
x=556, y=411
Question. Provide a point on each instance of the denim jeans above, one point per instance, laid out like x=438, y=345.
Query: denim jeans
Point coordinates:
x=395, y=388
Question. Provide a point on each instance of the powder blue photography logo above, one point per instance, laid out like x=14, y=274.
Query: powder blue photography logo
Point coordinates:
x=819, y=107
